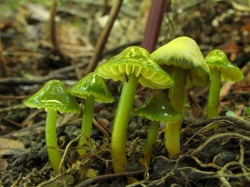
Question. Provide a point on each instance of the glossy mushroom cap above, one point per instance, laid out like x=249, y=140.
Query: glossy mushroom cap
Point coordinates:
x=135, y=60
x=217, y=60
x=158, y=108
x=92, y=85
x=184, y=52
x=53, y=96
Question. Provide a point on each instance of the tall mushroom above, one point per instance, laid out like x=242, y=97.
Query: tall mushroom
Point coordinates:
x=53, y=97
x=91, y=88
x=157, y=109
x=131, y=66
x=221, y=70
x=185, y=63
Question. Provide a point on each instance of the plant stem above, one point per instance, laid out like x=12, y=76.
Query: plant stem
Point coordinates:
x=122, y=116
x=172, y=130
x=150, y=141
x=51, y=140
x=214, y=94
x=87, y=118
x=213, y=97
x=153, y=26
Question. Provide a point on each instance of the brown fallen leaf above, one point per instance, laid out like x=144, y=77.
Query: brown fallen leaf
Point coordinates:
x=3, y=164
x=11, y=147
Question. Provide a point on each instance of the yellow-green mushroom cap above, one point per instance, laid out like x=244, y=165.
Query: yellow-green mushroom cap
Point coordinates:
x=217, y=60
x=53, y=96
x=158, y=108
x=135, y=60
x=92, y=85
x=183, y=52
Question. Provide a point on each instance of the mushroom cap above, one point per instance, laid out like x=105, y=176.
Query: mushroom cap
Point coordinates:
x=184, y=52
x=92, y=85
x=158, y=108
x=135, y=60
x=53, y=96
x=217, y=60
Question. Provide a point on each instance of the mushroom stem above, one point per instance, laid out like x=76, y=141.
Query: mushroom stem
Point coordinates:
x=214, y=94
x=172, y=138
x=150, y=141
x=86, y=128
x=51, y=140
x=177, y=95
x=120, y=125
x=177, y=92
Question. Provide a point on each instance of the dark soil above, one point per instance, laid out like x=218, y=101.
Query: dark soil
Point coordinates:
x=219, y=157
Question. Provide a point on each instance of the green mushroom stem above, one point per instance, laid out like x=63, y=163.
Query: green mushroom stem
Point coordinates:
x=150, y=141
x=53, y=97
x=51, y=140
x=177, y=95
x=214, y=94
x=221, y=69
x=86, y=127
x=132, y=66
x=91, y=88
x=120, y=125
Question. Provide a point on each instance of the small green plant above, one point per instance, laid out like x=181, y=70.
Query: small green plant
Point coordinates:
x=131, y=66
x=183, y=60
x=157, y=109
x=221, y=69
x=91, y=88
x=53, y=97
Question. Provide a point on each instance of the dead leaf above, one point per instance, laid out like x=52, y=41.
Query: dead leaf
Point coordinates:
x=3, y=164
x=11, y=147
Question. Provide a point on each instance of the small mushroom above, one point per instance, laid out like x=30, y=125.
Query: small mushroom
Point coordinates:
x=157, y=109
x=131, y=66
x=186, y=65
x=91, y=88
x=221, y=70
x=53, y=97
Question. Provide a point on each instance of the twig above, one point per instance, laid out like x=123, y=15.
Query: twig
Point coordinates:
x=108, y=177
x=2, y=61
x=4, y=69
x=52, y=24
x=209, y=122
x=10, y=81
x=244, y=124
x=102, y=129
x=218, y=136
x=104, y=36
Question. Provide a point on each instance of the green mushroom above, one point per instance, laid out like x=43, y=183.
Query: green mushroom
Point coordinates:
x=221, y=70
x=157, y=109
x=185, y=63
x=93, y=89
x=53, y=97
x=131, y=66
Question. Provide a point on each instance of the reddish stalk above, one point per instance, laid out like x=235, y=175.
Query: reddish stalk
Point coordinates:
x=153, y=25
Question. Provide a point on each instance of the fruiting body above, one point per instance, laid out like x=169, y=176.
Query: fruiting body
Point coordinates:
x=157, y=109
x=184, y=61
x=91, y=88
x=53, y=97
x=131, y=66
x=221, y=70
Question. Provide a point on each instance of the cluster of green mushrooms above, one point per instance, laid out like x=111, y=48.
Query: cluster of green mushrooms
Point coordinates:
x=169, y=70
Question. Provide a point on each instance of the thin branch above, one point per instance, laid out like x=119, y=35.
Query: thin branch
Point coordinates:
x=239, y=122
x=108, y=177
x=52, y=24
x=104, y=36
